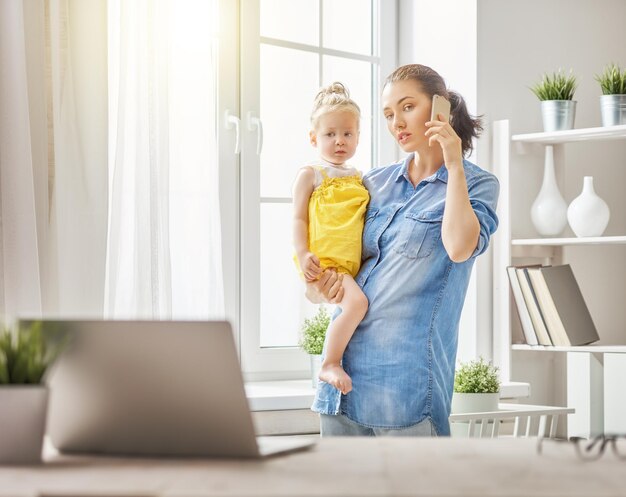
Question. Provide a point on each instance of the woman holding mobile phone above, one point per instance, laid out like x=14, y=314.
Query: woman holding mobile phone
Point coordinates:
x=428, y=218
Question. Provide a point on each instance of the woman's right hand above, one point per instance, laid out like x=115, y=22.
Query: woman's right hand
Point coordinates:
x=327, y=289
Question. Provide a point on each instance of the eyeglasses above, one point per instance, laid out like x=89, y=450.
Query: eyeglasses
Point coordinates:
x=593, y=448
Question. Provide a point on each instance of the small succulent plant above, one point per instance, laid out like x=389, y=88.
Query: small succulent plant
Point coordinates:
x=556, y=86
x=25, y=355
x=314, y=332
x=612, y=80
x=478, y=376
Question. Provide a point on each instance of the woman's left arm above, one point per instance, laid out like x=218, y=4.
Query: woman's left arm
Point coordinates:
x=460, y=228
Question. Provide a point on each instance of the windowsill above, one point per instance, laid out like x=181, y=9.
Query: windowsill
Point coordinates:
x=299, y=394
x=280, y=395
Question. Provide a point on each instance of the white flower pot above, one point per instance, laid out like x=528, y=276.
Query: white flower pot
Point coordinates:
x=316, y=365
x=23, y=410
x=463, y=403
x=549, y=210
x=588, y=214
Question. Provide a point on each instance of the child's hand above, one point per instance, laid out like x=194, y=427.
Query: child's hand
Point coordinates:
x=310, y=265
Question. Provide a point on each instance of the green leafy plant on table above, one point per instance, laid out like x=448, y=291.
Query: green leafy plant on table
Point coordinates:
x=477, y=376
x=314, y=332
x=24, y=355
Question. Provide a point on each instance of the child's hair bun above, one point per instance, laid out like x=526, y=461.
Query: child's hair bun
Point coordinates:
x=333, y=97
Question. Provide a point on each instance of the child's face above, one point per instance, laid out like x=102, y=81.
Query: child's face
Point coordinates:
x=406, y=109
x=336, y=136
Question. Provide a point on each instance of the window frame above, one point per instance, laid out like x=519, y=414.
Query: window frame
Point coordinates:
x=228, y=101
x=262, y=363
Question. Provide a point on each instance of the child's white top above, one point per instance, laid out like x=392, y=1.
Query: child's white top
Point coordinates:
x=331, y=171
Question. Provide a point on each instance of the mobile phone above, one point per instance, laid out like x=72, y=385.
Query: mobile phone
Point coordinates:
x=440, y=105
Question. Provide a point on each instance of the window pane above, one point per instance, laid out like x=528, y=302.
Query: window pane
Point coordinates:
x=348, y=25
x=283, y=306
x=291, y=20
x=357, y=77
x=286, y=100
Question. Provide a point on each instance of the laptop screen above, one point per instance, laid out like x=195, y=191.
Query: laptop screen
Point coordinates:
x=152, y=388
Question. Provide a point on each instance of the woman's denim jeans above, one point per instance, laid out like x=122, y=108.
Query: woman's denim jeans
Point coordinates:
x=340, y=426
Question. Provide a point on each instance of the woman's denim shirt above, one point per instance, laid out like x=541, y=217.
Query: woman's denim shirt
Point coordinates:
x=401, y=357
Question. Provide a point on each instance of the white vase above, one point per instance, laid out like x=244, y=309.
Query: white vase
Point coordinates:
x=549, y=210
x=588, y=214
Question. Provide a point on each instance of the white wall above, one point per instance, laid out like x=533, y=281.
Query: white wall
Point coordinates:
x=443, y=35
x=517, y=42
x=491, y=51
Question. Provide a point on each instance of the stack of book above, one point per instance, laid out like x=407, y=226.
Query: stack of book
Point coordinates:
x=551, y=308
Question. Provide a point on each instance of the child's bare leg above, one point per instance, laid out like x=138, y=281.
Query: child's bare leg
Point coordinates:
x=353, y=308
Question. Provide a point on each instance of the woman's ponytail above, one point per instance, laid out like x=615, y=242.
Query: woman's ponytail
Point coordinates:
x=464, y=125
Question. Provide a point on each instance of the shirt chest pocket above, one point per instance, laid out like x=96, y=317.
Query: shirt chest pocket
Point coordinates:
x=419, y=233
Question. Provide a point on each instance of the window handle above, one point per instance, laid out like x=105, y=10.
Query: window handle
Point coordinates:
x=252, y=124
x=232, y=121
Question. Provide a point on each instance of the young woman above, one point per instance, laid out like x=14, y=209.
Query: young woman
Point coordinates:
x=329, y=208
x=428, y=218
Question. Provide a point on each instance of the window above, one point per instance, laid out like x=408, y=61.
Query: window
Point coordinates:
x=289, y=48
x=245, y=116
x=168, y=63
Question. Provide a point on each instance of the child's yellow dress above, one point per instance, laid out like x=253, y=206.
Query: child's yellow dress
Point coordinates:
x=336, y=217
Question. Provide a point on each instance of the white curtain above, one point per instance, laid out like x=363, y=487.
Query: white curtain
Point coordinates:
x=108, y=175
x=164, y=244
x=52, y=158
x=19, y=268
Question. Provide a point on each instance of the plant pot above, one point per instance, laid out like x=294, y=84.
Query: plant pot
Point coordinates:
x=23, y=410
x=558, y=115
x=316, y=365
x=463, y=403
x=613, y=109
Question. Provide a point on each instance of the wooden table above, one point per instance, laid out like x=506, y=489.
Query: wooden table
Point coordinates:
x=338, y=467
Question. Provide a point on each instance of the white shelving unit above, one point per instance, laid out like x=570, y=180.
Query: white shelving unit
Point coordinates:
x=594, y=240
x=573, y=135
x=594, y=372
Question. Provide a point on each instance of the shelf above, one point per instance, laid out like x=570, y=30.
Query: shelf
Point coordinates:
x=512, y=411
x=595, y=240
x=601, y=349
x=574, y=135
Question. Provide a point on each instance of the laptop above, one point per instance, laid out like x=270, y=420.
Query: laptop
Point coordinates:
x=153, y=388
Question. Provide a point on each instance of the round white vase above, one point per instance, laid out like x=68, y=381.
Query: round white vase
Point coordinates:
x=549, y=211
x=588, y=214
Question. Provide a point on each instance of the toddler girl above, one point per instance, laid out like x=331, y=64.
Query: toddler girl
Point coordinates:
x=329, y=209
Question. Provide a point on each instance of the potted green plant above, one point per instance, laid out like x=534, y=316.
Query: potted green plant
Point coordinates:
x=476, y=387
x=558, y=107
x=24, y=358
x=312, y=338
x=613, y=99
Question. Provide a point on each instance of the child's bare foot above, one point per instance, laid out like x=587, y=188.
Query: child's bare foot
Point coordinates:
x=334, y=375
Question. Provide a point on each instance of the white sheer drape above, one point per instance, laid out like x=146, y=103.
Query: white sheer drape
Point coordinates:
x=19, y=268
x=164, y=243
x=150, y=210
x=53, y=201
